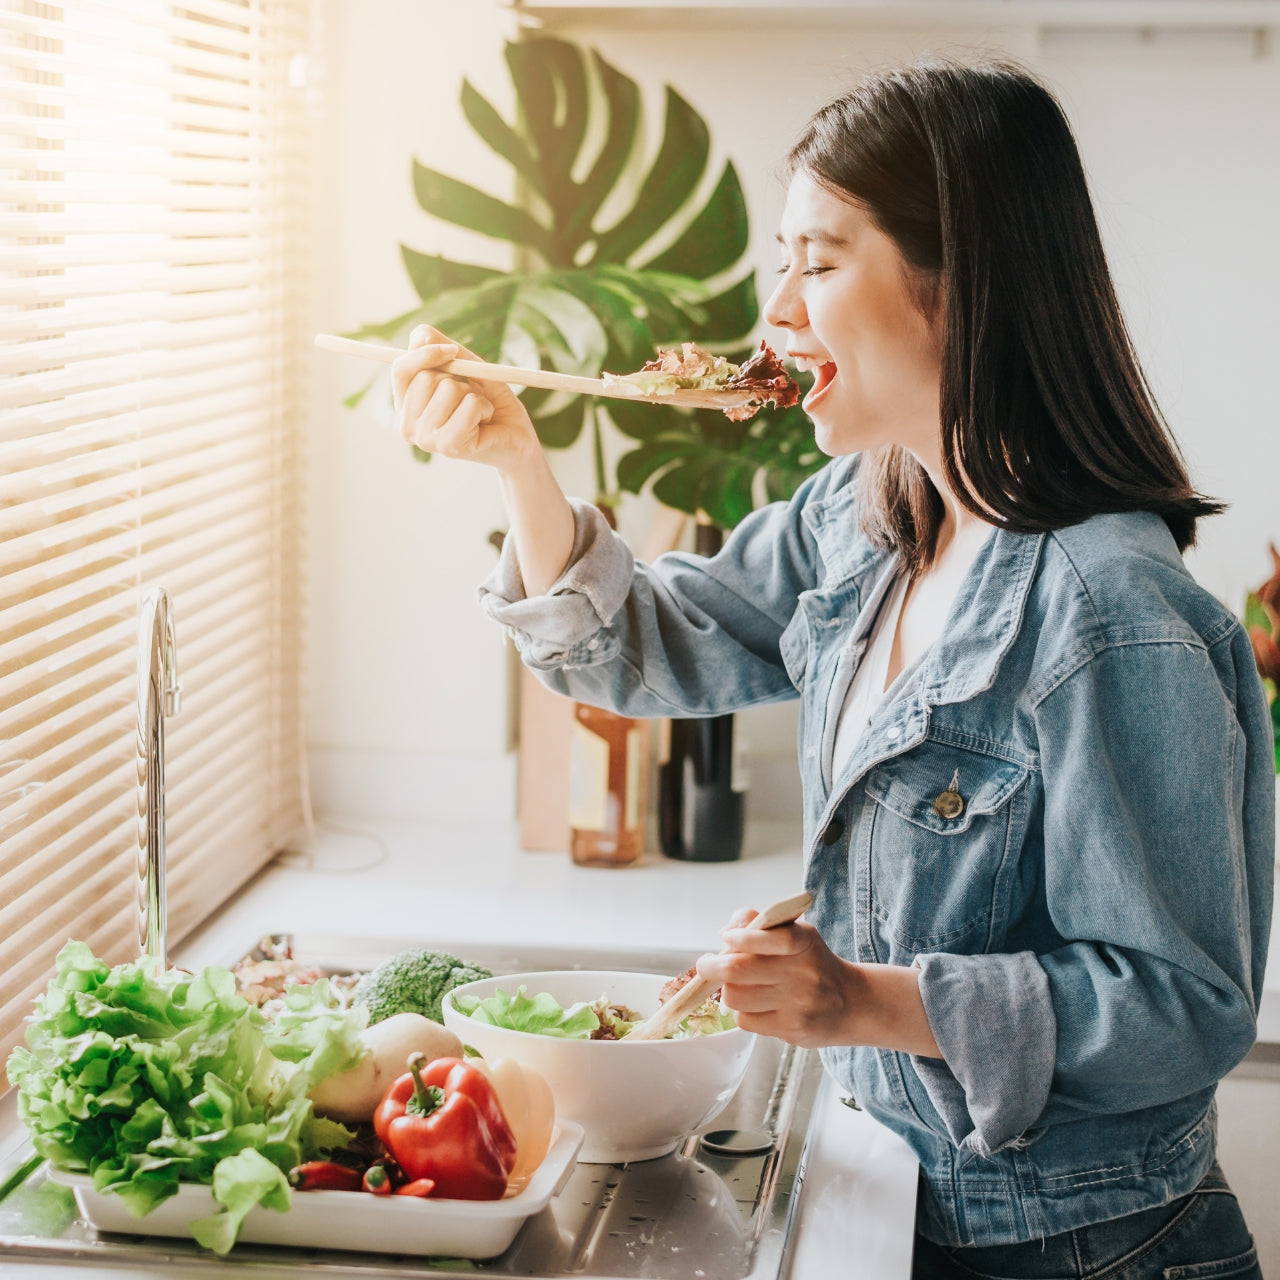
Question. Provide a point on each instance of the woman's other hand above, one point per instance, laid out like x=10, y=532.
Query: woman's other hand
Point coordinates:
x=474, y=421
x=787, y=983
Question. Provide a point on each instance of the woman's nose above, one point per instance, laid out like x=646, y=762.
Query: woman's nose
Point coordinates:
x=783, y=309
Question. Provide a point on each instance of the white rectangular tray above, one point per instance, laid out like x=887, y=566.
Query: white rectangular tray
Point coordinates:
x=353, y=1219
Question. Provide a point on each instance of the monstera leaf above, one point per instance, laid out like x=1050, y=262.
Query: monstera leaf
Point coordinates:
x=718, y=466
x=619, y=252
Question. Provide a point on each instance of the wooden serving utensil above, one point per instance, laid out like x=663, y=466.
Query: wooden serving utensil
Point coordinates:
x=544, y=379
x=660, y=1025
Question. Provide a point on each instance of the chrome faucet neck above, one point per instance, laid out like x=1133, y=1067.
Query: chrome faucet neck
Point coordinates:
x=159, y=695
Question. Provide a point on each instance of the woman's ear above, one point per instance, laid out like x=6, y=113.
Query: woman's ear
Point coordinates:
x=930, y=296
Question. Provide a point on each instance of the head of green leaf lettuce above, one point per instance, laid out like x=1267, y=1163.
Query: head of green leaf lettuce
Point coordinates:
x=146, y=1079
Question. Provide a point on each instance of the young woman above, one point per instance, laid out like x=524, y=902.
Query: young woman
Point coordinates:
x=1036, y=755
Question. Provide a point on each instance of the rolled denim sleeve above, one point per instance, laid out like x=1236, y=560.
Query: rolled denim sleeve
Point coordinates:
x=565, y=626
x=685, y=635
x=1158, y=859
x=994, y=1021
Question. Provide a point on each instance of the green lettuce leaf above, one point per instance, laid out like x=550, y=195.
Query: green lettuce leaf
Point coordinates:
x=541, y=1014
x=240, y=1183
x=706, y=1020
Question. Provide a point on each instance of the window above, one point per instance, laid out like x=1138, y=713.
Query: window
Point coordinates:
x=152, y=205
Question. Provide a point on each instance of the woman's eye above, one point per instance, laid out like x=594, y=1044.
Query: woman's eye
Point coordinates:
x=808, y=271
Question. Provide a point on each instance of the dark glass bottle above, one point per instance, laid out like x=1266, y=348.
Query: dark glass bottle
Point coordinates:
x=701, y=801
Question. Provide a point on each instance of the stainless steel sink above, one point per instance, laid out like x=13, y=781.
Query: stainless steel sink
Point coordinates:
x=718, y=1208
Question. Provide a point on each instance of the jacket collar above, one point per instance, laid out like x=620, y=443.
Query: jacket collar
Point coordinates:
x=985, y=619
x=985, y=616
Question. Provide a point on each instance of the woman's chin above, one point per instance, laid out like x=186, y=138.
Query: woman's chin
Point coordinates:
x=834, y=442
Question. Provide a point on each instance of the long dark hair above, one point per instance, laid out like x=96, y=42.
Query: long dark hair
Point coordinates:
x=1047, y=418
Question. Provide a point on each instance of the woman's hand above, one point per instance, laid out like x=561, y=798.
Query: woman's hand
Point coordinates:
x=485, y=422
x=787, y=983
x=479, y=422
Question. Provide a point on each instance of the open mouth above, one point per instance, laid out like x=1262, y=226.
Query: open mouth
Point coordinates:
x=823, y=378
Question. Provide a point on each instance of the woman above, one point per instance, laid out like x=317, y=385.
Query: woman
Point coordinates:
x=1036, y=756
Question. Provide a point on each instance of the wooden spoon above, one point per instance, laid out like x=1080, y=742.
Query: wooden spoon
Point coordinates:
x=544, y=379
x=660, y=1025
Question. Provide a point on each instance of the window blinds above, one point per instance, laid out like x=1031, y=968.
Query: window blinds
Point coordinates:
x=152, y=171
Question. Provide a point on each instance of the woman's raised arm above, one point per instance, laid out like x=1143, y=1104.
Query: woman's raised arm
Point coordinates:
x=486, y=423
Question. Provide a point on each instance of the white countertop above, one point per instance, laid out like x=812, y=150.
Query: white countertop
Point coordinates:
x=470, y=882
x=410, y=881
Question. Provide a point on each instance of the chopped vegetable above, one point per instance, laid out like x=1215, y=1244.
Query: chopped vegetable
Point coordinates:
x=708, y=1018
x=544, y=1016
x=689, y=367
x=615, y=1019
x=146, y=1079
x=445, y=1123
x=414, y=981
x=261, y=982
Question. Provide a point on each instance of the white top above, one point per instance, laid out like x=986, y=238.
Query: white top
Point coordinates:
x=931, y=603
x=867, y=688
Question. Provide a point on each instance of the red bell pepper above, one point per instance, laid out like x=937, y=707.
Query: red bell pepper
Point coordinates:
x=446, y=1124
x=456, y=1075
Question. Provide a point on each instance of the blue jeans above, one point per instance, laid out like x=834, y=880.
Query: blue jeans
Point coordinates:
x=1201, y=1236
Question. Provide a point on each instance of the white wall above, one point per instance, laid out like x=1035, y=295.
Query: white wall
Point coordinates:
x=1181, y=137
x=403, y=672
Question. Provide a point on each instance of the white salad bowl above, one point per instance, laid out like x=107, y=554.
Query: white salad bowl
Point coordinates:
x=635, y=1101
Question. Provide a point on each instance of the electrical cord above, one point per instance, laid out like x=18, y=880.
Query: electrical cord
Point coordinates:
x=310, y=858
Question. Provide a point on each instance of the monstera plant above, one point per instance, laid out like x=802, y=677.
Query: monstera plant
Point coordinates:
x=616, y=256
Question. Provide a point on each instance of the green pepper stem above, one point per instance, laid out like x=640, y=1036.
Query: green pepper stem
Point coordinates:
x=426, y=1098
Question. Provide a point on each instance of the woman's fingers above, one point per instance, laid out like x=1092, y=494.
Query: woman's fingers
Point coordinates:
x=779, y=941
x=781, y=982
x=755, y=998
x=460, y=418
x=425, y=335
x=418, y=360
x=458, y=437
x=743, y=916
x=752, y=954
x=444, y=416
x=428, y=402
x=438, y=413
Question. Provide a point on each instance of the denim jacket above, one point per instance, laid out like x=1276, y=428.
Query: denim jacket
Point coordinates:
x=1090, y=928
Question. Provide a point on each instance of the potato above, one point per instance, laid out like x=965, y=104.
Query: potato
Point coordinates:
x=352, y=1095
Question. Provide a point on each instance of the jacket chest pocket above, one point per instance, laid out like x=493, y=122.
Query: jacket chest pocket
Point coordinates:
x=939, y=855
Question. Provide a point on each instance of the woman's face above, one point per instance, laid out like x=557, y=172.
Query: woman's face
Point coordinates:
x=844, y=299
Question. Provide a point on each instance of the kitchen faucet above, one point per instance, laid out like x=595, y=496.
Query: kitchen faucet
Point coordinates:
x=159, y=695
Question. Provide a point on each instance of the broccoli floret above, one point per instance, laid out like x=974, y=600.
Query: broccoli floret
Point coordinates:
x=414, y=982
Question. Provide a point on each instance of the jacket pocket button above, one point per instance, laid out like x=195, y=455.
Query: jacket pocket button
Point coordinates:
x=835, y=829
x=950, y=803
